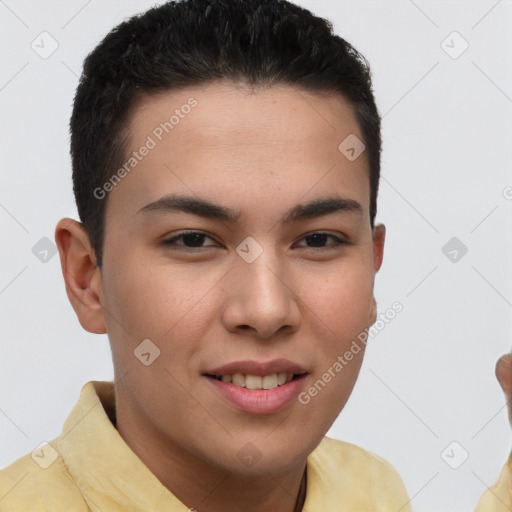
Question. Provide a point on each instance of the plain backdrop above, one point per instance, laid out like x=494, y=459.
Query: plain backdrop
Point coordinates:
x=428, y=381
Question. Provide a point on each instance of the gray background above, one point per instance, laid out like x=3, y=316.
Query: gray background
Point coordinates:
x=428, y=377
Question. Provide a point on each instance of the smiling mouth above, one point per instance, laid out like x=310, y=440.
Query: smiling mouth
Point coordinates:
x=255, y=382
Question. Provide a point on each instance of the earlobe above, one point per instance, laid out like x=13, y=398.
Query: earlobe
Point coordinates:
x=81, y=275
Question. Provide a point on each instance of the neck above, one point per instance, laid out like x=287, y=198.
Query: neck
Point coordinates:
x=207, y=487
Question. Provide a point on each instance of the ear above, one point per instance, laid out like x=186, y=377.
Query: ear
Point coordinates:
x=379, y=236
x=81, y=275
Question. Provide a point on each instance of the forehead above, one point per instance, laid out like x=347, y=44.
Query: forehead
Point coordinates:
x=225, y=112
x=227, y=139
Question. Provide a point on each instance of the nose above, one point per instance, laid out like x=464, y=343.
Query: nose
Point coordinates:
x=261, y=298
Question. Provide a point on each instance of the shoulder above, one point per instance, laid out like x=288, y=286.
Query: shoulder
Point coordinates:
x=39, y=481
x=335, y=453
x=344, y=469
x=498, y=497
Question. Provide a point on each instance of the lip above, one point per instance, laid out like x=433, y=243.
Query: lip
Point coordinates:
x=259, y=401
x=261, y=368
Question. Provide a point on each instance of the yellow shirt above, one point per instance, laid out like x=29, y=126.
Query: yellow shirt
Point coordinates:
x=499, y=497
x=89, y=467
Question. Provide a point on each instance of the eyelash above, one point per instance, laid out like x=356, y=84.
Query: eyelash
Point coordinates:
x=172, y=241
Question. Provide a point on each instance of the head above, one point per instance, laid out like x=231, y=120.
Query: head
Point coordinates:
x=223, y=220
x=179, y=44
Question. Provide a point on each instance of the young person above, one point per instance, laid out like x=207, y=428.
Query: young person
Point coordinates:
x=226, y=158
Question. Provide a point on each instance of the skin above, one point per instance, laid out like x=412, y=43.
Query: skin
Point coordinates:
x=260, y=153
x=504, y=376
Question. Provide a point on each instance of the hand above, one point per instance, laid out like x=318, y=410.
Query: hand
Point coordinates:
x=504, y=376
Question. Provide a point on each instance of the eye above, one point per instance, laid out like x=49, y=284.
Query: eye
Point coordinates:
x=319, y=240
x=195, y=240
x=190, y=240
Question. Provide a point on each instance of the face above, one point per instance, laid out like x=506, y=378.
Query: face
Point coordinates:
x=240, y=245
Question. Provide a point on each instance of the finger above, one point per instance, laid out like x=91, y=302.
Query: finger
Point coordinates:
x=504, y=374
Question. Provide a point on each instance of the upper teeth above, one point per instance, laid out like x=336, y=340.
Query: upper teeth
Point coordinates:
x=257, y=382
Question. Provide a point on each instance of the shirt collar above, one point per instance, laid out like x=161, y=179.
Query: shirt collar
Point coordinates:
x=110, y=475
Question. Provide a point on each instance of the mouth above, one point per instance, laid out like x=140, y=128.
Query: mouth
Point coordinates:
x=255, y=382
x=257, y=387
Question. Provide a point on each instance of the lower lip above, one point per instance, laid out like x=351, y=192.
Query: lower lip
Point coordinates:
x=260, y=401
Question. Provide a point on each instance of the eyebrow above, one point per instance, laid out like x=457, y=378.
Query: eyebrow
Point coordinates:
x=207, y=209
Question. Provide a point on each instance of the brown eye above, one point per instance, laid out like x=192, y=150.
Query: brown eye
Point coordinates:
x=320, y=240
x=189, y=240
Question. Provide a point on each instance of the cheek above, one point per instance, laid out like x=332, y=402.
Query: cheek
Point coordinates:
x=329, y=390
x=161, y=303
x=340, y=312
x=342, y=303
